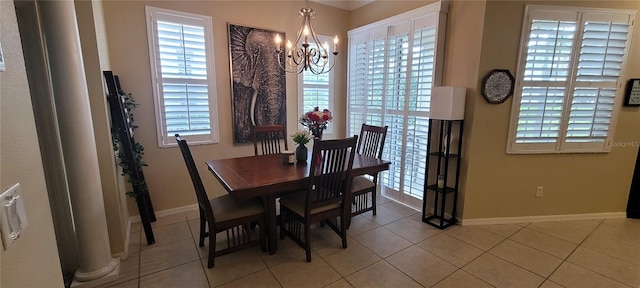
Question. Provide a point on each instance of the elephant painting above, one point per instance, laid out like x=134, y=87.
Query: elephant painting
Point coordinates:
x=258, y=81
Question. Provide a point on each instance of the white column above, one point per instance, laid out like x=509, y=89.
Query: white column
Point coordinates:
x=71, y=98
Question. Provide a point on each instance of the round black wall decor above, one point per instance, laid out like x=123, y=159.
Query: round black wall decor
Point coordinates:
x=497, y=86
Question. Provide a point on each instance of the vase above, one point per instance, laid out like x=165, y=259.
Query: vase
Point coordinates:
x=316, y=132
x=301, y=153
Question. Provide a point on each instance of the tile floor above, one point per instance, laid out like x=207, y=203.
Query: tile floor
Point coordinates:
x=395, y=249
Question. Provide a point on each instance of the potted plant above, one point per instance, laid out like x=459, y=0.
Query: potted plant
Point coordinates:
x=301, y=137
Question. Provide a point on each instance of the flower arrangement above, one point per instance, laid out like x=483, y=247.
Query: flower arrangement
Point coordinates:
x=301, y=137
x=316, y=120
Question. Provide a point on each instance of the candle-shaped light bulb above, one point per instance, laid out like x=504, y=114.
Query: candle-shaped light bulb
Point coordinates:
x=305, y=31
x=288, y=47
x=278, y=40
x=335, y=44
x=325, y=45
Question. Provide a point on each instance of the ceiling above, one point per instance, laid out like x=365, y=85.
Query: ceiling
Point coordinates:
x=345, y=4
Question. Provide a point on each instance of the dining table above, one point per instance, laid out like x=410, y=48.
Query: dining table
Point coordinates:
x=267, y=177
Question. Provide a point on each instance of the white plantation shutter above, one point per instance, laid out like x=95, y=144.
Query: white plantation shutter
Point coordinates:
x=546, y=72
x=395, y=88
x=357, y=84
x=421, y=81
x=599, y=68
x=180, y=45
x=566, y=94
x=540, y=114
x=316, y=89
x=391, y=74
x=366, y=80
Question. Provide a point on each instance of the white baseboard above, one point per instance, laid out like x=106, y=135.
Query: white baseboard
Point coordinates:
x=183, y=209
x=545, y=218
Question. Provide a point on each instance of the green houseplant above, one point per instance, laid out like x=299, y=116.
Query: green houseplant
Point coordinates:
x=128, y=167
x=301, y=137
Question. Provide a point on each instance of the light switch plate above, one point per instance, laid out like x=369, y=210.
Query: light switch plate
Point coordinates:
x=13, y=217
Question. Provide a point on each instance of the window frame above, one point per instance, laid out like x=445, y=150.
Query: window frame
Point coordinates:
x=153, y=15
x=560, y=145
x=330, y=87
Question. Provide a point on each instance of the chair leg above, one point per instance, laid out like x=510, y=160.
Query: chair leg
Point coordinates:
x=212, y=247
x=263, y=236
x=283, y=221
x=343, y=230
x=307, y=237
x=203, y=234
x=373, y=199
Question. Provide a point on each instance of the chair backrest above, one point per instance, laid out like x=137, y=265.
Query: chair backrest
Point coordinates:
x=201, y=194
x=372, y=140
x=269, y=136
x=331, y=164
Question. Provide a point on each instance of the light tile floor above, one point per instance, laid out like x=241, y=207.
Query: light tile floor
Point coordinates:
x=395, y=249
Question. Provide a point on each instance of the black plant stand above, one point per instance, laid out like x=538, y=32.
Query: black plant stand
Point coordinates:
x=442, y=161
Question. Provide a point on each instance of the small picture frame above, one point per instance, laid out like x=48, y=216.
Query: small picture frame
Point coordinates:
x=632, y=94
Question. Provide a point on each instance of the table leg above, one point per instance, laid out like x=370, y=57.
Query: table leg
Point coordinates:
x=272, y=233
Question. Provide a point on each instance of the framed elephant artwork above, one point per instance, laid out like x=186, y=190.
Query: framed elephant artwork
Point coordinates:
x=257, y=80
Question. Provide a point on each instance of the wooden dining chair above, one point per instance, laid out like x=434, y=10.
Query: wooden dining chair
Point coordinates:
x=268, y=137
x=364, y=188
x=224, y=214
x=324, y=199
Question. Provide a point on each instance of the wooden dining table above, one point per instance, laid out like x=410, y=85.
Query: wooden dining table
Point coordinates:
x=266, y=177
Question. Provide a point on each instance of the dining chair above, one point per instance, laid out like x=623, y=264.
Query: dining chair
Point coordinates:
x=224, y=214
x=324, y=199
x=268, y=137
x=364, y=188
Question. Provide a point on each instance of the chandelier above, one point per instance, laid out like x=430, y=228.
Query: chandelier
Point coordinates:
x=307, y=54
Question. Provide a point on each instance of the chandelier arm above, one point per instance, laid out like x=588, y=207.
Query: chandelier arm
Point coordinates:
x=324, y=68
x=323, y=50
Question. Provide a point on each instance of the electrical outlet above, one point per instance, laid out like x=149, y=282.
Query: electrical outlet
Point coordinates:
x=539, y=190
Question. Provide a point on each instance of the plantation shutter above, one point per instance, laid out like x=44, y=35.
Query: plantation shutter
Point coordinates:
x=420, y=84
x=366, y=80
x=569, y=80
x=395, y=96
x=183, y=65
x=548, y=62
x=599, y=67
x=357, y=83
x=391, y=85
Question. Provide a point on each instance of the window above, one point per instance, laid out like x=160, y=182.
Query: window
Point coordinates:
x=393, y=64
x=181, y=52
x=568, y=88
x=316, y=90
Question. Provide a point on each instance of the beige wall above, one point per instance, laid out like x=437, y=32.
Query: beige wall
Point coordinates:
x=501, y=185
x=168, y=180
x=464, y=31
x=36, y=249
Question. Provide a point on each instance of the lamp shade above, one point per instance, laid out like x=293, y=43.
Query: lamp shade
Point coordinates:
x=447, y=103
